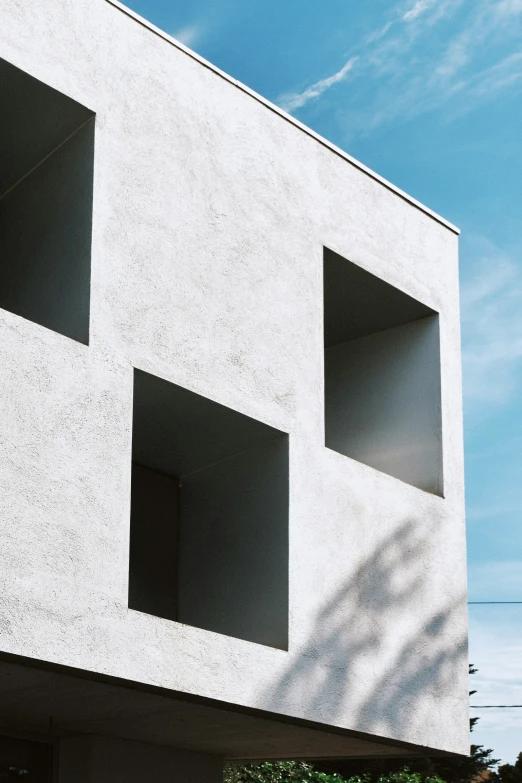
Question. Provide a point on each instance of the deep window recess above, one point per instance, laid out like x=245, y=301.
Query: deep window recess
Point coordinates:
x=46, y=183
x=382, y=375
x=209, y=515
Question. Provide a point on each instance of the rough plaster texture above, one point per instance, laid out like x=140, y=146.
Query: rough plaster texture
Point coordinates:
x=209, y=221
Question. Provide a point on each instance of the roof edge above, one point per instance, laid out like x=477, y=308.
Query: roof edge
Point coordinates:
x=288, y=117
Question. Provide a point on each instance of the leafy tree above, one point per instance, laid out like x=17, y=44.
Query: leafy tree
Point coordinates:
x=278, y=772
x=508, y=773
x=303, y=772
x=479, y=759
x=405, y=775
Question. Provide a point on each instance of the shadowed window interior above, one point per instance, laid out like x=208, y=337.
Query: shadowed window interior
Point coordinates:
x=382, y=375
x=24, y=760
x=209, y=515
x=46, y=184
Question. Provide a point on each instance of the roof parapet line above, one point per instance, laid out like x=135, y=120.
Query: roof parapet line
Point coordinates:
x=288, y=117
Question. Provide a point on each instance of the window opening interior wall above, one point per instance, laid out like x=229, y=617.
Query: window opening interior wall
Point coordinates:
x=46, y=190
x=209, y=515
x=382, y=375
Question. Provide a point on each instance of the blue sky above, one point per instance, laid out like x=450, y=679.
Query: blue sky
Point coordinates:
x=428, y=93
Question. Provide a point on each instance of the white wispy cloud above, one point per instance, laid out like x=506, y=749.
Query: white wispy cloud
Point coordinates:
x=503, y=74
x=406, y=68
x=452, y=74
x=455, y=57
x=296, y=100
x=376, y=35
x=509, y=7
x=420, y=7
x=491, y=327
x=188, y=35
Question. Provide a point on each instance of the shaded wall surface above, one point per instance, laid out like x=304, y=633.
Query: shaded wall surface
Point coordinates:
x=234, y=546
x=383, y=402
x=46, y=181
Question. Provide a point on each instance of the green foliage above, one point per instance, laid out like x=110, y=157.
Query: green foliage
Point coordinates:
x=508, y=773
x=406, y=776
x=302, y=772
x=479, y=759
x=278, y=772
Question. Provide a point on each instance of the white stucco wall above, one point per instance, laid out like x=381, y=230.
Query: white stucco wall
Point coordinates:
x=210, y=217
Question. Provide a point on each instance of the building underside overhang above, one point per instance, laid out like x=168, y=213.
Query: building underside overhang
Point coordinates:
x=47, y=702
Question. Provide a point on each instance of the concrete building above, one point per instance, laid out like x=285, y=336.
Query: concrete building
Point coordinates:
x=231, y=467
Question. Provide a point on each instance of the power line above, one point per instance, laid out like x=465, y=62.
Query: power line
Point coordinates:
x=494, y=602
x=493, y=706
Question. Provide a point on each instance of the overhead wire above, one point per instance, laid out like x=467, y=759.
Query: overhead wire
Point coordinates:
x=494, y=706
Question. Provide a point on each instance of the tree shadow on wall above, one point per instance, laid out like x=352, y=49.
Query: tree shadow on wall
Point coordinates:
x=381, y=650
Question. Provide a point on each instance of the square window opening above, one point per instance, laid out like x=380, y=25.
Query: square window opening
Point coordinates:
x=382, y=375
x=209, y=515
x=46, y=191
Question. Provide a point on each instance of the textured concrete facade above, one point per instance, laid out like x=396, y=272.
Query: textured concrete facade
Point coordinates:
x=211, y=214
